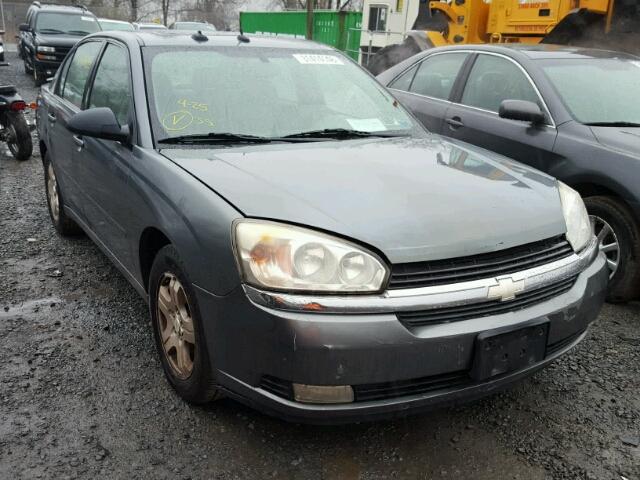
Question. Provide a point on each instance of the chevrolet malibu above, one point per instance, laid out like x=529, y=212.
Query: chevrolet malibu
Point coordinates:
x=303, y=244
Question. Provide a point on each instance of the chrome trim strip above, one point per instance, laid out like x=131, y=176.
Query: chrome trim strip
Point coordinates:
x=425, y=298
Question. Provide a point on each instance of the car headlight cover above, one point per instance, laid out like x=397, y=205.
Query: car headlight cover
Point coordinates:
x=283, y=257
x=47, y=49
x=579, y=230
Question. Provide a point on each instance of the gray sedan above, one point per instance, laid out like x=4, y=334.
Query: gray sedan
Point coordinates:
x=305, y=246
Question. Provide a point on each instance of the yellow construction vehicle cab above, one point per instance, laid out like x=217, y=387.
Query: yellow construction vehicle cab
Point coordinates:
x=521, y=21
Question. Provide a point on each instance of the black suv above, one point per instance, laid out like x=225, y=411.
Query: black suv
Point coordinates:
x=49, y=33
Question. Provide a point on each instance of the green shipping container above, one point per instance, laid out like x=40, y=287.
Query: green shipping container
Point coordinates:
x=338, y=29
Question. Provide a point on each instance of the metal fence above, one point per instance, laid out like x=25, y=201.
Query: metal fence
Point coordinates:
x=364, y=49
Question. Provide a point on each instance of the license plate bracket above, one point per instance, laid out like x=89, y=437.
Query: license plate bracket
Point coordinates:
x=498, y=351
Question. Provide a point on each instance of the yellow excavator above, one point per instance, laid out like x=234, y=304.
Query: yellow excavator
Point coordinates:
x=612, y=24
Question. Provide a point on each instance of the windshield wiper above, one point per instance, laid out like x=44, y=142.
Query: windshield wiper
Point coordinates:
x=50, y=31
x=613, y=124
x=214, y=137
x=78, y=32
x=337, y=133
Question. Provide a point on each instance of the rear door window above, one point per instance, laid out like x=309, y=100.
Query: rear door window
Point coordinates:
x=437, y=74
x=78, y=72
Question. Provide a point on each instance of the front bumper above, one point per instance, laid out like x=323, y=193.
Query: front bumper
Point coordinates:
x=47, y=68
x=249, y=342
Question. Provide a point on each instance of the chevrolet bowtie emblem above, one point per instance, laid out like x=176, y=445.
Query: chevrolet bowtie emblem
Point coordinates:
x=506, y=289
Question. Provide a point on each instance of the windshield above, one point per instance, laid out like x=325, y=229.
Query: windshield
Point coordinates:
x=194, y=26
x=110, y=25
x=65, y=23
x=597, y=90
x=265, y=92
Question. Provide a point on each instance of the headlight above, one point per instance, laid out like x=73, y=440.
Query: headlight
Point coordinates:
x=283, y=257
x=46, y=49
x=579, y=230
x=1, y=49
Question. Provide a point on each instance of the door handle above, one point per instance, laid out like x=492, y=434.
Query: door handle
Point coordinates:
x=51, y=117
x=455, y=123
x=78, y=141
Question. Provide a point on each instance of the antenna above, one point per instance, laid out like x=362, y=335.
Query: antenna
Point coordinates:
x=200, y=37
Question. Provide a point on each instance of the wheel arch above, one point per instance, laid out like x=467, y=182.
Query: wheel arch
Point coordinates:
x=151, y=241
x=589, y=186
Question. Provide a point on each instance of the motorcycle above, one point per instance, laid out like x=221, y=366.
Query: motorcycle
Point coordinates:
x=14, y=130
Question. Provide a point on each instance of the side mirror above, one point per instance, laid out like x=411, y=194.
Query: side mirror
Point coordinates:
x=24, y=27
x=521, y=110
x=98, y=123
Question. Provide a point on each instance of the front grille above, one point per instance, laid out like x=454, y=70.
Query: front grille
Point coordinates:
x=416, y=386
x=61, y=53
x=474, y=267
x=483, y=309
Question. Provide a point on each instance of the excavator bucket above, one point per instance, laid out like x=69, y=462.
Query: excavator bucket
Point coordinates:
x=387, y=57
x=416, y=40
x=618, y=31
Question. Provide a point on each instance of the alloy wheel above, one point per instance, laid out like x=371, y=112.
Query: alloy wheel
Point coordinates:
x=607, y=243
x=175, y=325
x=52, y=193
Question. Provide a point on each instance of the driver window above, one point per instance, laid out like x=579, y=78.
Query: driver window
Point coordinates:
x=111, y=87
x=494, y=79
x=78, y=72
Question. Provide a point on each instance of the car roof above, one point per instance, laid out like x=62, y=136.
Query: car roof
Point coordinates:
x=50, y=7
x=112, y=20
x=170, y=38
x=542, y=51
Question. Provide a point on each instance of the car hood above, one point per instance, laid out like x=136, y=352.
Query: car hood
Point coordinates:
x=412, y=199
x=58, y=40
x=623, y=139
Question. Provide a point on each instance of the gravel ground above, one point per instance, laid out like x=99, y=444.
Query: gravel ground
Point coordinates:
x=82, y=393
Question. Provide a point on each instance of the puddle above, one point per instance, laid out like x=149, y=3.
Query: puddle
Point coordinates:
x=30, y=306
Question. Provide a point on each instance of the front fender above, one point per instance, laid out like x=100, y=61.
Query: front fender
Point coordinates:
x=195, y=219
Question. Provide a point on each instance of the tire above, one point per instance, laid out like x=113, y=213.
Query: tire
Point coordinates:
x=19, y=141
x=192, y=378
x=64, y=225
x=27, y=69
x=38, y=80
x=624, y=282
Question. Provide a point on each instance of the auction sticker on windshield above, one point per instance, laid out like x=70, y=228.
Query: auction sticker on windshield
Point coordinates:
x=315, y=59
x=366, y=124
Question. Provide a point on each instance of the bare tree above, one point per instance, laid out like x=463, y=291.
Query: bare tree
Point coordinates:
x=164, y=4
